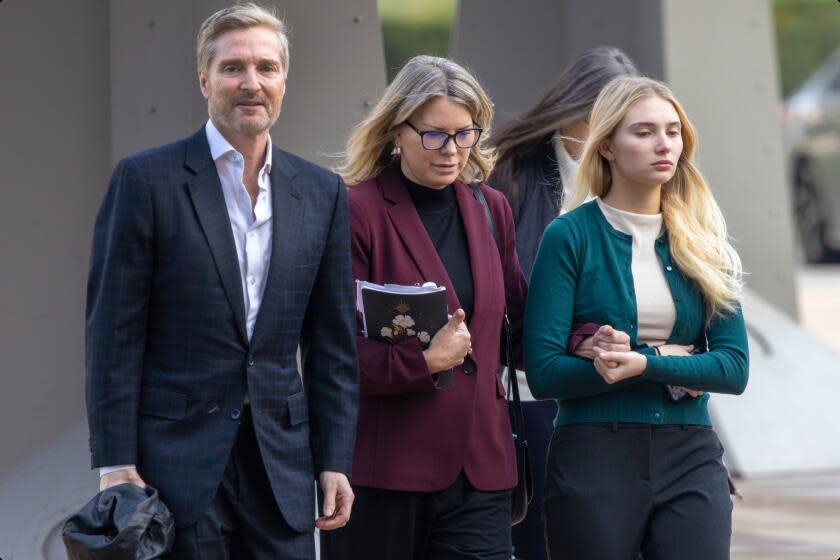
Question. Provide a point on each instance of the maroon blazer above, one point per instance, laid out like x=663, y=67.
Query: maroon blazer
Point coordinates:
x=413, y=435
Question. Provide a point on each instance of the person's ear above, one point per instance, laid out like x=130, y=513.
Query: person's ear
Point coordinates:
x=605, y=148
x=202, y=83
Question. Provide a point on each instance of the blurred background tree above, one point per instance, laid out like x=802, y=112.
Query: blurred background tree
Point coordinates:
x=807, y=31
x=412, y=27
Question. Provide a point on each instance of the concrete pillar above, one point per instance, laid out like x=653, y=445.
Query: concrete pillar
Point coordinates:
x=54, y=163
x=723, y=70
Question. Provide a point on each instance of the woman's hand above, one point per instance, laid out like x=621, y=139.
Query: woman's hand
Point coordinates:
x=606, y=338
x=450, y=345
x=680, y=350
x=675, y=349
x=627, y=365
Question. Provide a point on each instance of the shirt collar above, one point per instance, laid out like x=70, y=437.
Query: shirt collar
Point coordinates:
x=219, y=146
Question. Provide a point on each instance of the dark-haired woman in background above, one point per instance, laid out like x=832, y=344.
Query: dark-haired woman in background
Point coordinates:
x=537, y=158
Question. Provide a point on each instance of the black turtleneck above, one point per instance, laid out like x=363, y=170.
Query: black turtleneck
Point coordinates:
x=439, y=213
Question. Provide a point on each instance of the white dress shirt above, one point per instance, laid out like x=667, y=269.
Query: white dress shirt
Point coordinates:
x=251, y=227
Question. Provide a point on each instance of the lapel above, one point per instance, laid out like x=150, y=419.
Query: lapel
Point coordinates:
x=207, y=197
x=409, y=227
x=286, y=227
x=482, y=246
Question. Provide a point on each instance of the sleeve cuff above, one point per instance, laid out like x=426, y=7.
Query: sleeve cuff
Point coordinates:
x=108, y=470
x=657, y=369
x=579, y=333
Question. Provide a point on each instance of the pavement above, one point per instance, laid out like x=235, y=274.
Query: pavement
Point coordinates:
x=796, y=516
x=787, y=518
x=818, y=295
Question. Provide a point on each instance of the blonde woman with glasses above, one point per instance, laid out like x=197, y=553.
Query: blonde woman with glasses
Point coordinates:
x=433, y=465
x=634, y=464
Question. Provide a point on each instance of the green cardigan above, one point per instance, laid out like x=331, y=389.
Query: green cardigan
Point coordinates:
x=582, y=275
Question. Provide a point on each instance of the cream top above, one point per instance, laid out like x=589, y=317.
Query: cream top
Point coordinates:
x=654, y=304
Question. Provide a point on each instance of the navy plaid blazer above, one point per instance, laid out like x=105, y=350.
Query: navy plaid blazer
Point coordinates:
x=167, y=355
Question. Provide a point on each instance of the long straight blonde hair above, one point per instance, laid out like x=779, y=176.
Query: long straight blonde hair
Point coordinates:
x=370, y=146
x=696, y=228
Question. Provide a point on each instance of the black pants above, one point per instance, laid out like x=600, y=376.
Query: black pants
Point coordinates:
x=528, y=536
x=458, y=522
x=613, y=491
x=243, y=521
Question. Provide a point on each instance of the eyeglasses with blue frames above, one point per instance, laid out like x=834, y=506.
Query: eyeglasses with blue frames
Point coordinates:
x=437, y=140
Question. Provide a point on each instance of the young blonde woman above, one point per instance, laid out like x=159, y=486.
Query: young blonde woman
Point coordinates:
x=538, y=155
x=433, y=465
x=634, y=465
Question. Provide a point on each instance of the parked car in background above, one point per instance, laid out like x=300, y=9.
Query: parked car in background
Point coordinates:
x=812, y=138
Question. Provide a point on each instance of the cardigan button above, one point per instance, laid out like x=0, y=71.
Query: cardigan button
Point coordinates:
x=668, y=268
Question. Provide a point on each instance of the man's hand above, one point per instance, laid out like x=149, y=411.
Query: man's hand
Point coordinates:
x=627, y=365
x=338, y=501
x=121, y=477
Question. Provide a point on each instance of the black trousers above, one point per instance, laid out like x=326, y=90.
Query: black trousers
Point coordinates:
x=458, y=522
x=528, y=535
x=243, y=521
x=613, y=491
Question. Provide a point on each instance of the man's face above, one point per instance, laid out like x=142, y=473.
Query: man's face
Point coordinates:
x=245, y=81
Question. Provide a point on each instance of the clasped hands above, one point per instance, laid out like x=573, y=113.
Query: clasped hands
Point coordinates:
x=609, y=349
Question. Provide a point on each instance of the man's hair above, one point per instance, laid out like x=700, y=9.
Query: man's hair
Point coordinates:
x=238, y=16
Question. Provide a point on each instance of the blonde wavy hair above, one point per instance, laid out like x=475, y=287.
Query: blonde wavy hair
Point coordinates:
x=370, y=146
x=696, y=228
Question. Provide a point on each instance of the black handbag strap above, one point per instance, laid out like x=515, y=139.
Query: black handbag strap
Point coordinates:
x=512, y=385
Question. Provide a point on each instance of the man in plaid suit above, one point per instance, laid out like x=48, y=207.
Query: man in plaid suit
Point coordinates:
x=214, y=257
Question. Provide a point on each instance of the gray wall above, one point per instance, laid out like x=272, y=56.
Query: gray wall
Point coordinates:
x=54, y=162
